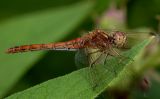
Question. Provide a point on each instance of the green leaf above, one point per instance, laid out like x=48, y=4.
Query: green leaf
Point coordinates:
x=40, y=27
x=77, y=84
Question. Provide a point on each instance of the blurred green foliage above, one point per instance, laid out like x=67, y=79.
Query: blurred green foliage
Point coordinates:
x=143, y=12
x=39, y=21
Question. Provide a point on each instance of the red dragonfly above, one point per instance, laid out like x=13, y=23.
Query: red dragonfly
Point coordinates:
x=97, y=39
x=102, y=43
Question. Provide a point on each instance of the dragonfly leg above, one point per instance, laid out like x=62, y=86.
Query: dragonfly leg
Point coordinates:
x=94, y=62
x=120, y=55
x=88, y=55
x=105, y=60
x=93, y=52
x=92, y=72
x=110, y=68
x=90, y=59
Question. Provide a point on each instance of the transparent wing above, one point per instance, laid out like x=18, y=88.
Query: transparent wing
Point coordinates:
x=81, y=59
x=94, y=75
x=134, y=38
x=89, y=58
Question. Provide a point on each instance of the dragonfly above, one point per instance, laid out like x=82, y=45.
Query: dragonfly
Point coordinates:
x=101, y=41
x=104, y=42
x=96, y=39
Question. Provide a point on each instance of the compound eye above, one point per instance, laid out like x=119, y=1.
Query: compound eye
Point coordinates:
x=119, y=38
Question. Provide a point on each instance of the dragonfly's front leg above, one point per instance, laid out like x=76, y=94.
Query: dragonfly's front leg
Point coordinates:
x=113, y=52
x=96, y=60
x=105, y=60
x=108, y=67
x=89, y=56
x=91, y=53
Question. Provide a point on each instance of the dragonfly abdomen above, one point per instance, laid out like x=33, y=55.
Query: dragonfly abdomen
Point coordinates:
x=25, y=48
x=72, y=45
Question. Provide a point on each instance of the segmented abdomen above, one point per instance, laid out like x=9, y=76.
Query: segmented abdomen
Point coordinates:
x=71, y=45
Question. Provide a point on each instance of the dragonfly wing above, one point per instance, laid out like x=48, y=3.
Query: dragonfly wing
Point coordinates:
x=81, y=59
x=86, y=57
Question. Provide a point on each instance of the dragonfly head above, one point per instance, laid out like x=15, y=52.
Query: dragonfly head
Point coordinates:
x=119, y=39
